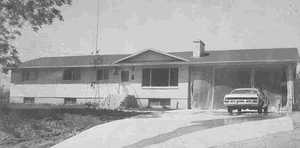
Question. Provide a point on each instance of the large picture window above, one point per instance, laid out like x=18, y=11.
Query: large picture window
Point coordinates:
x=162, y=77
x=71, y=74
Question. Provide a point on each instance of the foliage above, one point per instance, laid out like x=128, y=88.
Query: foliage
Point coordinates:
x=16, y=14
x=129, y=102
x=92, y=105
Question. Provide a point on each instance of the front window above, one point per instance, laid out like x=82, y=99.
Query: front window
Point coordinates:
x=71, y=74
x=29, y=75
x=161, y=77
x=124, y=75
x=102, y=74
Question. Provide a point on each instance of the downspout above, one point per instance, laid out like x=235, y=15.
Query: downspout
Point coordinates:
x=212, y=89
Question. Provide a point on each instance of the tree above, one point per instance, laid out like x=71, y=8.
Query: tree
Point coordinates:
x=17, y=14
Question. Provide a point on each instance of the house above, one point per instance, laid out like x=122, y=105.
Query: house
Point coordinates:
x=196, y=79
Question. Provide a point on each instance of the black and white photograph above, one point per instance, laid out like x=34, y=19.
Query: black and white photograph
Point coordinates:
x=149, y=74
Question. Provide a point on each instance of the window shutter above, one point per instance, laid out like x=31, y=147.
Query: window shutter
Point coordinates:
x=146, y=77
x=106, y=74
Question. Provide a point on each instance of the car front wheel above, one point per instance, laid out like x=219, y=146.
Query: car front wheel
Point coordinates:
x=229, y=109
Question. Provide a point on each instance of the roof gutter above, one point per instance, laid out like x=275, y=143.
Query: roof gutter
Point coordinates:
x=164, y=63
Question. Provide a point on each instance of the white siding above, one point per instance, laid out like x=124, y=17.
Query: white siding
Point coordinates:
x=55, y=91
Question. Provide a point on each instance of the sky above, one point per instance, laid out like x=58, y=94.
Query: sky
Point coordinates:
x=127, y=26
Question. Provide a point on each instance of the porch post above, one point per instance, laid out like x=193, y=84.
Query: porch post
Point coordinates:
x=252, y=78
x=212, y=89
x=290, y=87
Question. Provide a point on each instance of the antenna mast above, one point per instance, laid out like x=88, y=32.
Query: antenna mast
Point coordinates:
x=97, y=59
x=97, y=28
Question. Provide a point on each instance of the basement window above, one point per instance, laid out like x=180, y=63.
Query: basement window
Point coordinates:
x=159, y=102
x=70, y=101
x=28, y=100
x=71, y=74
x=160, y=77
x=102, y=74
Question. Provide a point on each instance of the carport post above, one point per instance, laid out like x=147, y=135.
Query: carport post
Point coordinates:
x=290, y=87
x=252, y=77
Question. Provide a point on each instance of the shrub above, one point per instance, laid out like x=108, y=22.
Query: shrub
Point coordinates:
x=92, y=105
x=129, y=102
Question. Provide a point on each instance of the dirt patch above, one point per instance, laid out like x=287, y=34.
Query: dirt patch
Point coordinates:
x=45, y=127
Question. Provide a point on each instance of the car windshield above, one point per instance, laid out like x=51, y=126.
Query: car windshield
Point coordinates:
x=244, y=92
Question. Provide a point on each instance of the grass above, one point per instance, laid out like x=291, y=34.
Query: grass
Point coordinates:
x=40, y=127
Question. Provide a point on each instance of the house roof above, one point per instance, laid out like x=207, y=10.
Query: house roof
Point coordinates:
x=250, y=55
x=213, y=57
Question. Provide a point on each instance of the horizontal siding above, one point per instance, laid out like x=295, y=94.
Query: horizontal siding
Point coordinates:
x=102, y=90
x=50, y=85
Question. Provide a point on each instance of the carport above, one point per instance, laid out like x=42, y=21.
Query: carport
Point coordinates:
x=271, y=69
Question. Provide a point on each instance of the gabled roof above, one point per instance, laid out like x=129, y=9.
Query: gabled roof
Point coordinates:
x=151, y=50
x=213, y=57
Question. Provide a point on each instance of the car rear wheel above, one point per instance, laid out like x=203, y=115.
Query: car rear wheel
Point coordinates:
x=229, y=109
x=239, y=110
x=259, y=110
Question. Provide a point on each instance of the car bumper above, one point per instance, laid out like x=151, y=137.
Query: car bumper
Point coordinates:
x=241, y=103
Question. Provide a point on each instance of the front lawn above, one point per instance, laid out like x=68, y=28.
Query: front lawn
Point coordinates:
x=44, y=127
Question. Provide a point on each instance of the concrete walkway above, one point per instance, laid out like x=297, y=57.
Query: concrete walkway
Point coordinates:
x=179, y=129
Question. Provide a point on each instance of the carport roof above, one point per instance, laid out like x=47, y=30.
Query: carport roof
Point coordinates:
x=250, y=55
x=213, y=57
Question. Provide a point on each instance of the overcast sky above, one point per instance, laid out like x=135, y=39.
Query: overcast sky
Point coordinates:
x=170, y=25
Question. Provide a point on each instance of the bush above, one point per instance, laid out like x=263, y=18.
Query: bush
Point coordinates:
x=129, y=102
x=92, y=105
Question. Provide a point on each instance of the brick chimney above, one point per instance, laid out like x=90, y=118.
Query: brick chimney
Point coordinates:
x=199, y=49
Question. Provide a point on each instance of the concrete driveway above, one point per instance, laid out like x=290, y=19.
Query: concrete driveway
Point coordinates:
x=179, y=129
